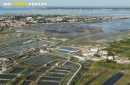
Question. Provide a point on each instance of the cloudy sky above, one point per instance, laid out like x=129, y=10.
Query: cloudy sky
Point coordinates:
x=76, y=2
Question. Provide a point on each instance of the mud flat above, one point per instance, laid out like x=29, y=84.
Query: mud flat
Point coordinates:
x=66, y=30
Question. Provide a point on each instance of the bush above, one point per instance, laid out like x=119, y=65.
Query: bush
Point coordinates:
x=1, y=29
x=97, y=55
x=110, y=61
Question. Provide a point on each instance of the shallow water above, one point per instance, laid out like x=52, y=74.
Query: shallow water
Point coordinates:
x=62, y=51
x=88, y=12
x=113, y=26
x=51, y=78
x=48, y=83
x=26, y=82
x=68, y=69
x=33, y=77
x=17, y=70
x=2, y=76
x=69, y=48
x=70, y=65
x=56, y=75
x=113, y=79
x=3, y=81
x=28, y=71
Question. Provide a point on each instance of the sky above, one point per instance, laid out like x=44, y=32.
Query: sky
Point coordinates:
x=74, y=3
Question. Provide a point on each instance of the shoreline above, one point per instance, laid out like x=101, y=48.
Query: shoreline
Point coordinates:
x=30, y=27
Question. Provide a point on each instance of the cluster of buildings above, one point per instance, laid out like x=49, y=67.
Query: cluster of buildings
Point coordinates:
x=89, y=52
x=30, y=20
x=5, y=63
x=12, y=23
x=28, y=52
x=23, y=20
x=82, y=53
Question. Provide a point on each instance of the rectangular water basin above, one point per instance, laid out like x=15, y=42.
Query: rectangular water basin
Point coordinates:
x=48, y=83
x=17, y=70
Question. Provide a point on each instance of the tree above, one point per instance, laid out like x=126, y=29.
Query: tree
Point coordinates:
x=97, y=55
x=1, y=28
x=17, y=17
x=111, y=54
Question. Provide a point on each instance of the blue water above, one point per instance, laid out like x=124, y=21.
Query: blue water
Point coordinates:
x=51, y=79
x=2, y=76
x=28, y=71
x=62, y=51
x=65, y=11
x=113, y=79
x=17, y=70
x=113, y=26
x=56, y=75
x=69, y=48
x=3, y=81
x=33, y=77
x=26, y=82
x=48, y=83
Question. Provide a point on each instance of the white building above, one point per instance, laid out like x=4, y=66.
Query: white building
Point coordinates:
x=81, y=58
x=42, y=51
x=103, y=52
x=94, y=50
x=29, y=19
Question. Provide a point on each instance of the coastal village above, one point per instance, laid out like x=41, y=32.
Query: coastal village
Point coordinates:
x=82, y=53
x=94, y=53
x=49, y=55
x=14, y=21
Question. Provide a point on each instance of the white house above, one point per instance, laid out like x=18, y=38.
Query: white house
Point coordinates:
x=81, y=58
x=103, y=52
x=29, y=19
x=94, y=50
x=42, y=51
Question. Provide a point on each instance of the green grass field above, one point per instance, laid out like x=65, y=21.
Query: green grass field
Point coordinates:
x=106, y=70
x=120, y=48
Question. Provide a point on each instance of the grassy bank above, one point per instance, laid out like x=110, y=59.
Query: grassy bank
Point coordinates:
x=114, y=66
x=110, y=69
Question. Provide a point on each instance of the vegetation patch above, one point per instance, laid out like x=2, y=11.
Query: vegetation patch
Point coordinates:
x=120, y=48
x=112, y=65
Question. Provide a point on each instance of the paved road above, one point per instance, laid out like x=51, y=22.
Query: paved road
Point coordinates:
x=68, y=83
